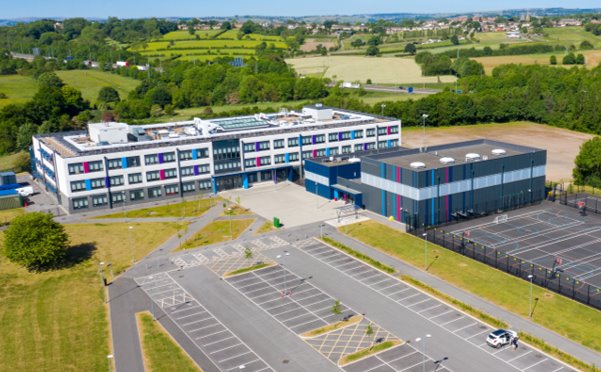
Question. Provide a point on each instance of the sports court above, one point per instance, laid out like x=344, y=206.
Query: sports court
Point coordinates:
x=559, y=246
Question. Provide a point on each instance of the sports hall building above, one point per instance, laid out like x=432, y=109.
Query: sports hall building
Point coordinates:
x=115, y=163
x=435, y=185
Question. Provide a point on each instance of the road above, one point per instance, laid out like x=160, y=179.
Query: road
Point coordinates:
x=416, y=90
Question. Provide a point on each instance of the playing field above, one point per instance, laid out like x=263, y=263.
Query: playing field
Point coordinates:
x=561, y=144
x=357, y=68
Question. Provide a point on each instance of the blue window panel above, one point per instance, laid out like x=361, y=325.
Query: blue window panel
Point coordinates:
x=107, y=182
x=383, y=193
x=352, y=134
x=287, y=158
x=389, y=143
x=214, y=187
x=328, y=151
x=195, y=154
x=339, y=136
x=300, y=140
x=161, y=159
x=88, y=185
x=257, y=146
x=196, y=172
x=245, y=182
x=124, y=162
x=433, y=199
x=313, y=139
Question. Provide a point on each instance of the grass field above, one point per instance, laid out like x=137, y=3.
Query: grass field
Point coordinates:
x=9, y=162
x=159, y=350
x=7, y=215
x=571, y=36
x=216, y=232
x=358, y=68
x=209, y=45
x=558, y=313
x=56, y=320
x=89, y=82
x=190, y=208
x=18, y=89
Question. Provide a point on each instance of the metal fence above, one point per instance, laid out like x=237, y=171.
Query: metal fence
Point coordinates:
x=554, y=280
x=591, y=203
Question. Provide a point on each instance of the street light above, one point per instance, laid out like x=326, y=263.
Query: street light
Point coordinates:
x=321, y=230
x=131, y=247
x=279, y=256
x=424, y=117
x=383, y=106
x=423, y=349
x=530, y=303
x=425, y=235
x=108, y=359
x=229, y=213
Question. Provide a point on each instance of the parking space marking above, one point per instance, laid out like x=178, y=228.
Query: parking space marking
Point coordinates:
x=519, y=356
x=408, y=305
x=176, y=300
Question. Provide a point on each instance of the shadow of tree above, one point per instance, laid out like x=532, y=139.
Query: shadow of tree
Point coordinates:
x=77, y=254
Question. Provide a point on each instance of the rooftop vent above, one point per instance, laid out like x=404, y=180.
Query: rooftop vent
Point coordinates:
x=417, y=165
x=447, y=160
x=499, y=152
x=472, y=156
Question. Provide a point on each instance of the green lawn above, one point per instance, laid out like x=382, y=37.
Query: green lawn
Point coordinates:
x=89, y=82
x=369, y=351
x=571, y=36
x=18, y=89
x=160, y=351
x=216, y=232
x=10, y=162
x=248, y=268
x=190, y=208
x=183, y=35
x=56, y=320
x=266, y=227
x=7, y=215
x=555, y=312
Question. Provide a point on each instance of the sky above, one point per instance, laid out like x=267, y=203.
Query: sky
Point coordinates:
x=205, y=8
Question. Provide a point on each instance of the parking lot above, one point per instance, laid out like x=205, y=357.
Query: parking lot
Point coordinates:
x=430, y=309
x=216, y=341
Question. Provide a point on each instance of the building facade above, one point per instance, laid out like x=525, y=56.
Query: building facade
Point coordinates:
x=438, y=185
x=115, y=163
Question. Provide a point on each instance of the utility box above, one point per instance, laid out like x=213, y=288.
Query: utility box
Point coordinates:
x=7, y=178
x=276, y=222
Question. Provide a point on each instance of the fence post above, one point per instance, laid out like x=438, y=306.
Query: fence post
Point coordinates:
x=588, y=294
x=496, y=257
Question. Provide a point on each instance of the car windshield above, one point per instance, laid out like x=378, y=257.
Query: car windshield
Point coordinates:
x=498, y=333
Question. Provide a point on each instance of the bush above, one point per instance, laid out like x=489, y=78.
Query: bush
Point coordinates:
x=553, y=60
x=36, y=241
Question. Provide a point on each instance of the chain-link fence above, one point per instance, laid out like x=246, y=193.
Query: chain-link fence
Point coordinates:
x=552, y=278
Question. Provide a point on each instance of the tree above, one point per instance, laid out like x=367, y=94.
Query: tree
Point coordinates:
x=35, y=241
x=553, y=60
x=454, y=40
x=569, y=59
x=372, y=50
x=588, y=163
x=50, y=80
x=586, y=45
x=108, y=95
x=336, y=308
x=410, y=48
x=369, y=330
x=580, y=59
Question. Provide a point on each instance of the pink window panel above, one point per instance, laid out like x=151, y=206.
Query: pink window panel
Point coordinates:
x=258, y=162
x=86, y=167
x=162, y=174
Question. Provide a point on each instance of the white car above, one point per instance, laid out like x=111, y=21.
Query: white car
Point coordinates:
x=501, y=337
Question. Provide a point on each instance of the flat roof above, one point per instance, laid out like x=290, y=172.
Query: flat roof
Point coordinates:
x=73, y=144
x=441, y=156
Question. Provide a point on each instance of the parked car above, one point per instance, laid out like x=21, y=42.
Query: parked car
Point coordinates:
x=25, y=191
x=500, y=337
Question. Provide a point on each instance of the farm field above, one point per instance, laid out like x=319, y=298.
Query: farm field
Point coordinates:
x=56, y=320
x=18, y=89
x=593, y=58
x=205, y=45
x=571, y=36
x=358, y=68
x=562, y=144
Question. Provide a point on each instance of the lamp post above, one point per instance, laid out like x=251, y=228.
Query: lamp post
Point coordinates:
x=281, y=256
x=423, y=349
x=424, y=117
x=321, y=230
x=425, y=235
x=229, y=213
x=531, y=277
x=383, y=106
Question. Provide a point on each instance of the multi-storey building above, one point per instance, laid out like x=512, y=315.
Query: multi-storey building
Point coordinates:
x=435, y=185
x=116, y=163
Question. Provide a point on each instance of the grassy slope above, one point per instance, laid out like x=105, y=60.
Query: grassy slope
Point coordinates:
x=555, y=312
x=56, y=320
x=8, y=161
x=216, y=232
x=161, y=352
x=19, y=89
x=189, y=208
x=89, y=82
